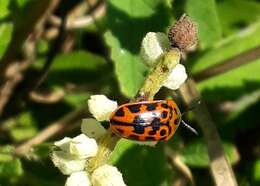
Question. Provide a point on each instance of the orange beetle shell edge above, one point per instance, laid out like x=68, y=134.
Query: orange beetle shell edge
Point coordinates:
x=155, y=120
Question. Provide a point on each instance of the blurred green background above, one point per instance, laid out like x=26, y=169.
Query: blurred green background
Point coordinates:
x=91, y=47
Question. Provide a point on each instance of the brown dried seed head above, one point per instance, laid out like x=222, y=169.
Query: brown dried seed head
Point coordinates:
x=183, y=34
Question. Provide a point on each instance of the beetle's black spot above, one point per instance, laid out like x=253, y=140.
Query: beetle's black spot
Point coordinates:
x=163, y=138
x=164, y=114
x=175, y=110
x=114, y=122
x=170, y=115
x=138, y=120
x=162, y=132
x=134, y=137
x=151, y=106
x=120, y=131
x=170, y=130
x=167, y=123
x=149, y=138
x=152, y=132
x=134, y=108
x=120, y=112
x=138, y=129
x=156, y=124
x=164, y=105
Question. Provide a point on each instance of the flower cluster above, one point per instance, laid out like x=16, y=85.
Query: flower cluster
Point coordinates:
x=153, y=46
x=72, y=155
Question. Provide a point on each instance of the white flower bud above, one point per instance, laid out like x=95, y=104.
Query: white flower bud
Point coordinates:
x=107, y=175
x=65, y=164
x=101, y=107
x=78, y=179
x=153, y=45
x=176, y=78
x=82, y=147
x=92, y=128
x=63, y=144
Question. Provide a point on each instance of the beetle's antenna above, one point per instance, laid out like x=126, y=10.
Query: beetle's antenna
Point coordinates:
x=189, y=127
x=194, y=105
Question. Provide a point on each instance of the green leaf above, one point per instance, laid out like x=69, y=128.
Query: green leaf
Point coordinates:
x=195, y=154
x=77, y=60
x=256, y=173
x=4, y=11
x=128, y=21
x=10, y=167
x=6, y=30
x=75, y=99
x=227, y=48
x=233, y=20
x=129, y=68
x=136, y=8
x=234, y=83
x=244, y=103
x=41, y=151
x=77, y=67
x=23, y=133
x=22, y=127
x=205, y=14
x=121, y=148
x=142, y=164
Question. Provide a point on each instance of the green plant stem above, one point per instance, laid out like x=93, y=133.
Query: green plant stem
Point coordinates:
x=151, y=86
x=105, y=147
x=159, y=74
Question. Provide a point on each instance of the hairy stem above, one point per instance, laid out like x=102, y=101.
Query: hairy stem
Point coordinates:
x=159, y=74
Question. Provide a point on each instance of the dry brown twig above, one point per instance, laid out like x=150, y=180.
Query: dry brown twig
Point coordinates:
x=69, y=121
x=75, y=22
x=175, y=161
x=11, y=69
x=220, y=167
x=229, y=64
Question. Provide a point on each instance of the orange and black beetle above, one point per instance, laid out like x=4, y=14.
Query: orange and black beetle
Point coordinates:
x=155, y=120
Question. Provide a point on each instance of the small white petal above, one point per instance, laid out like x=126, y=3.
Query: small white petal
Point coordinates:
x=63, y=144
x=101, y=107
x=176, y=78
x=153, y=45
x=107, y=175
x=92, y=128
x=65, y=164
x=82, y=147
x=78, y=179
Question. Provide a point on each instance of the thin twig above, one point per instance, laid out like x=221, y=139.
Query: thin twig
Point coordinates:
x=54, y=49
x=220, y=168
x=47, y=98
x=70, y=120
x=229, y=64
x=8, y=81
x=176, y=161
x=75, y=22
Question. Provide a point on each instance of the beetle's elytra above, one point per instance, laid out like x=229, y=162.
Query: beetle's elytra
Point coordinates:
x=155, y=120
